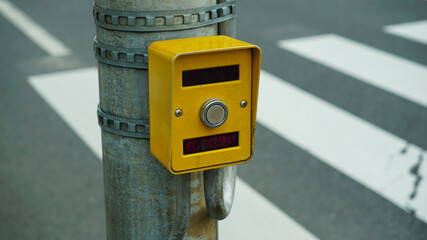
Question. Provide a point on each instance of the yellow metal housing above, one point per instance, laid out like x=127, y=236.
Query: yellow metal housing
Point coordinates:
x=168, y=131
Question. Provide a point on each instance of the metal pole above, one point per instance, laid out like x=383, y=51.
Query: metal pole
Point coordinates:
x=228, y=27
x=142, y=199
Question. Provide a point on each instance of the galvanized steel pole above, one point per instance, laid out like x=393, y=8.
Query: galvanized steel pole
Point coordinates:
x=142, y=199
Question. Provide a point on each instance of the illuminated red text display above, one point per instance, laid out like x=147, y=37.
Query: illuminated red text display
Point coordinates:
x=215, y=142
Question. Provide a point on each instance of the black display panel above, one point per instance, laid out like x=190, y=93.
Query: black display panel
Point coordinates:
x=210, y=143
x=210, y=75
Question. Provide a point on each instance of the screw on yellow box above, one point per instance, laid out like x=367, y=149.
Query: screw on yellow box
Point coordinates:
x=203, y=100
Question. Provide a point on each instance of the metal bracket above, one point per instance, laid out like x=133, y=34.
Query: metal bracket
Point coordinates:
x=123, y=57
x=163, y=20
x=123, y=126
x=219, y=187
x=152, y=22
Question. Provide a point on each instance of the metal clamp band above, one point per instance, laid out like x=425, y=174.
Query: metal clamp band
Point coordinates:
x=163, y=20
x=123, y=126
x=123, y=57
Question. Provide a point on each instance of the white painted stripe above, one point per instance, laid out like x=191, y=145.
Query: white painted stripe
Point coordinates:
x=415, y=31
x=74, y=96
x=33, y=31
x=254, y=217
x=351, y=145
x=392, y=73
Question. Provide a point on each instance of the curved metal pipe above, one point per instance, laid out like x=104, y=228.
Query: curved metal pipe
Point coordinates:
x=219, y=191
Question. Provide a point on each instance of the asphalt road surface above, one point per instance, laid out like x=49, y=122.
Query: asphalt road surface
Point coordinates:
x=341, y=131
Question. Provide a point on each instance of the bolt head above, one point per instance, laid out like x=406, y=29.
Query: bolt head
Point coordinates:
x=243, y=104
x=178, y=113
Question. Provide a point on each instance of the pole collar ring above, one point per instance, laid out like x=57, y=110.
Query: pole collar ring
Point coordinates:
x=123, y=126
x=155, y=21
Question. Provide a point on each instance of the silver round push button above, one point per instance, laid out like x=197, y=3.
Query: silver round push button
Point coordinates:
x=213, y=113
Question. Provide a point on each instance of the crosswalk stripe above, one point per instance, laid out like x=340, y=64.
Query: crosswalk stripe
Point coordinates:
x=74, y=96
x=32, y=30
x=362, y=151
x=392, y=73
x=249, y=222
x=415, y=31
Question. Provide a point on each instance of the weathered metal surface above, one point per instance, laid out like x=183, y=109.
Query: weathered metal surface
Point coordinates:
x=157, y=21
x=201, y=226
x=219, y=191
x=153, y=21
x=123, y=57
x=228, y=27
x=143, y=200
x=123, y=126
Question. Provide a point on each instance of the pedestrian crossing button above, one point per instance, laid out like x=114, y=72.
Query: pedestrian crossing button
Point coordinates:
x=203, y=100
x=213, y=113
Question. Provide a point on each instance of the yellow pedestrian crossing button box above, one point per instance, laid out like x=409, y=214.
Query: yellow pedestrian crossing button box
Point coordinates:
x=203, y=99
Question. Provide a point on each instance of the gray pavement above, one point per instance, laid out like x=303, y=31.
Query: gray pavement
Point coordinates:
x=51, y=183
